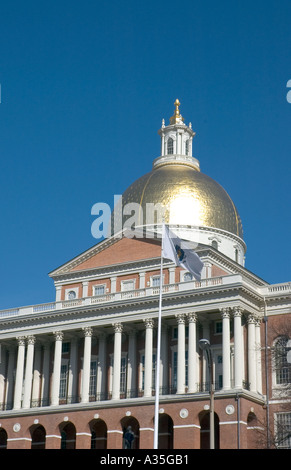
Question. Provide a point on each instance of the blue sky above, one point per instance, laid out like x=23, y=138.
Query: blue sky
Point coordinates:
x=84, y=88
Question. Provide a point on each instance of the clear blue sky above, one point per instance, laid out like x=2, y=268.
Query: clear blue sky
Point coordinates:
x=84, y=88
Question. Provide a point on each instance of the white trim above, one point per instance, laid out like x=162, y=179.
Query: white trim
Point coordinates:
x=115, y=430
x=256, y=427
x=83, y=434
x=19, y=439
x=53, y=435
x=186, y=426
x=146, y=429
x=233, y=422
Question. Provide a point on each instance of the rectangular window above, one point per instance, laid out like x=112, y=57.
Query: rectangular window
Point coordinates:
x=93, y=378
x=283, y=430
x=156, y=281
x=63, y=381
x=123, y=370
x=175, y=368
x=154, y=363
x=218, y=327
x=65, y=347
x=99, y=290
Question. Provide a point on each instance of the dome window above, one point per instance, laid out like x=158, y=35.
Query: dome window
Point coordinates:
x=214, y=244
x=170, y=146
x=187, y=147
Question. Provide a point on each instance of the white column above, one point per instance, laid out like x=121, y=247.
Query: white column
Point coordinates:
x=238, y=348
x=259, y=356
x=73, y=371
x=181, y=354
x=131, y=363
x=164, y=375
x=252, y=359
x=172, y=272
x=225, y=313
x=19, y=373
x=28, y=372
x=57, y=368
x=205, y=368
x=113, y=284
x=35, y=395
x=117, y=361
x=2, y=375
x=192, y=354
x=10, y=374
x=141, y=280
x=101, y=368
x=45, y=375
x=148, y=360
x=85, y=289
x=86, y=364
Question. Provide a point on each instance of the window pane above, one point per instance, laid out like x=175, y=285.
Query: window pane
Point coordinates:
x=99, y=290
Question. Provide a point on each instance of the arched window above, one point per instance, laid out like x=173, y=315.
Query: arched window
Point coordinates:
x=130, y=427
x=170, y=146
x=236, y=255
x=38, y=435
x=282, y=368
x=3, y=439
x=98, y=434
x=68, y=436
x=214, y=244
x=165, y=437
x=71, y=295
x=204, y=418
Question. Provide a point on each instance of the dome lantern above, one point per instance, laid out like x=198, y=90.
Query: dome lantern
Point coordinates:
x=176, y=142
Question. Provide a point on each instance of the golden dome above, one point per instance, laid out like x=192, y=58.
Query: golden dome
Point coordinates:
x=188, y=196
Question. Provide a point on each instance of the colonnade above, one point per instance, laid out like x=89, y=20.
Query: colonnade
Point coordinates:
x=32, y=379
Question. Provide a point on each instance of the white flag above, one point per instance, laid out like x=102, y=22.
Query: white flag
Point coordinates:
x=180, y=253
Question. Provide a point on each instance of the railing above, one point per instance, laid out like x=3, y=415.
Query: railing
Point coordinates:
x=111, y=297
x=203, y=387
x=144, y=292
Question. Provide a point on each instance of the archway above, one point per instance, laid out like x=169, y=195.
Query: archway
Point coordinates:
x=38, y=436
x=204, y=418
x=68, y=435
x=130, y=428
x=3, y=439
x=98, y=434
x=165, y=434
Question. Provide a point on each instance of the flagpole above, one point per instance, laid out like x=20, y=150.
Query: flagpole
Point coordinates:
x=156, y=424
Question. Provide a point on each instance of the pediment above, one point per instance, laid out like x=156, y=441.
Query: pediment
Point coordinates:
x=112, y=251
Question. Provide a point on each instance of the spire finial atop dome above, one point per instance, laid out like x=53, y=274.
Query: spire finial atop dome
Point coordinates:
x=177, y=117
